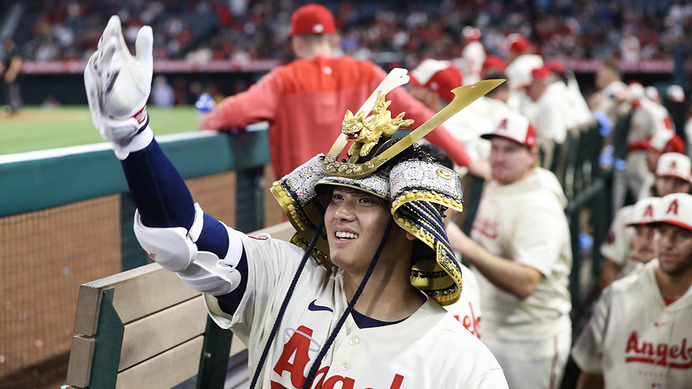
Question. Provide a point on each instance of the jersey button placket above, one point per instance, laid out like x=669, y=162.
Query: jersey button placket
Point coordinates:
x=345, y=366
x=354, y=341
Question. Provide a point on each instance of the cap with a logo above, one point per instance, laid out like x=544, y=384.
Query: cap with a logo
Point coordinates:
x=514, y=127
x=675, y=209
x=674, y=165
x=644, y=211
x=665, y=141
x=438, y=76
x=312, y=19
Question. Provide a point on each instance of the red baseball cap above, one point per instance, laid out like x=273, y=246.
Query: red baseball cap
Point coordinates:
x=518, y=43
x=312, y=19
x=555, y=66
x=515, y=127
x=493, y=62
x=539, y=74
x=438, y=76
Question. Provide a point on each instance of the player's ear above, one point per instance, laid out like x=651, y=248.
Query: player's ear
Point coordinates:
x=336, y=41
x=410, y=236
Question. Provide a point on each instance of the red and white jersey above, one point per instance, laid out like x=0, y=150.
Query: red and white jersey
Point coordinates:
x=648, y=118
x=617, y=245
x=635, y=339
x=429, y=349
x=525, y=222
x=468, y=309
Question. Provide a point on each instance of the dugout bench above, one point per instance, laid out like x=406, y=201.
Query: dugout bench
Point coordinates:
x=144, y=328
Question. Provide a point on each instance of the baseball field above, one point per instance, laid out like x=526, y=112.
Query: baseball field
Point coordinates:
x=38, y=128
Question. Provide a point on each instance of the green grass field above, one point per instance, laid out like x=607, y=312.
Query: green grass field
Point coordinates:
x=36, y=128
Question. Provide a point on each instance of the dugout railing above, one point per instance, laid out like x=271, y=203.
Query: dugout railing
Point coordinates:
x=66, y=219
x=227, y=174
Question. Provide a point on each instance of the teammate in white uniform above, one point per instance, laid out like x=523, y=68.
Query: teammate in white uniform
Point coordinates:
x=432, y=82
x=553, y=115
x=354, y=315
x=520, y=62
x=672, y=176
x=639, y=335
x=521, y=254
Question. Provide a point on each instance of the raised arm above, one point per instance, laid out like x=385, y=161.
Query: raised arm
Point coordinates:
x=173, y=230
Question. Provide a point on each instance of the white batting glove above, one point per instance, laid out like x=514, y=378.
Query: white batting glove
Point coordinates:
x=118, y=86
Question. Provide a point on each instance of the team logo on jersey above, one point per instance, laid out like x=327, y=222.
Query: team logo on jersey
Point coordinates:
x=470, y=321
x=661, y=354
x=314, y=307
x=294, y=362
x=487, y=228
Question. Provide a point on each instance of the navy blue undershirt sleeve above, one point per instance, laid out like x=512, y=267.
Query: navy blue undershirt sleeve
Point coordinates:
x=163, y=199
x=229, y=302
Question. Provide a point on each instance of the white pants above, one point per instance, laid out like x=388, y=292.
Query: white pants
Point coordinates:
x=525, y=369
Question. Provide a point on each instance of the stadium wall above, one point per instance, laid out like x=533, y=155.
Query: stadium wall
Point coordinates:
x=66, y=219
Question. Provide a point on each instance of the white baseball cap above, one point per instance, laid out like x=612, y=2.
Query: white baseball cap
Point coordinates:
x=675, y=209
x=644, y=211
x=514, y=127
x=674, y=165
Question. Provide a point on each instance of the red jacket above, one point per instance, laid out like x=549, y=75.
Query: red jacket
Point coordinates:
x=305, y=102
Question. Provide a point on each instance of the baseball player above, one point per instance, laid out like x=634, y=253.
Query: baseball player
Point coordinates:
x=521, y=255
x=341, y=307
x=520, y=61
x=642, y=244
x=431, y=83
x=553, y=116
x=672, y=176
x=639, y=334
x=304, y=101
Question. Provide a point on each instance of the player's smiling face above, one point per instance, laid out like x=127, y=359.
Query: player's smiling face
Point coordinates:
x=355, y=222
x=674, y=247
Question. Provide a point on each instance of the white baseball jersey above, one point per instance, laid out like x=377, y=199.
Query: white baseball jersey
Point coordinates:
x=634, y=339
x=553, y=115
x=525, y=222
x=617, y=245
x=467, y=125
x=468, y=309
x=429, y=349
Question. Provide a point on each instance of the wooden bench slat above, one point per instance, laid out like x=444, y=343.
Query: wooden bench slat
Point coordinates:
x=161, y=331
x=79, y=365
x=165, y=370
x=139, y=292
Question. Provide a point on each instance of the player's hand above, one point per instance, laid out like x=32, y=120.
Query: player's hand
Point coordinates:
x=118, y=86
x=481, y=168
